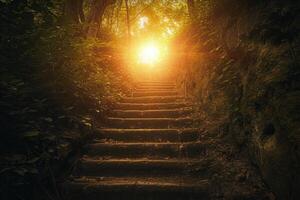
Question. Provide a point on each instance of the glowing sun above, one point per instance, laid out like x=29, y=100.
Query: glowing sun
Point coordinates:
x=149, y=54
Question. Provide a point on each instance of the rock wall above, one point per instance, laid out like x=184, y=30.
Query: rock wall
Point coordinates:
x=242, y=67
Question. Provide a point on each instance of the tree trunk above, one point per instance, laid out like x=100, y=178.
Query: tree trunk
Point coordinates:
x=95, y=18
x=80, y=11
x=73, y=11
x=191, y=9
x=128, y=19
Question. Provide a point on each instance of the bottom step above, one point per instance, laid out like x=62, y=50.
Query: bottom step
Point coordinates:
x=136, y=188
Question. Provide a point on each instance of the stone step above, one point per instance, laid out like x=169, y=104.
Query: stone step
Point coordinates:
x=149, y=122
x=147, y=150
x=148, y=135
x=153, y=90
x=93, y=166
x=154, y=83
x=150, y=106
x=151, y=113
x=154, y=93
x=108, y=188
x=152, y=99
x=155, y=87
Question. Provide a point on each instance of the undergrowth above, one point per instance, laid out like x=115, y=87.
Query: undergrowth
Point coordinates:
x=53, y=93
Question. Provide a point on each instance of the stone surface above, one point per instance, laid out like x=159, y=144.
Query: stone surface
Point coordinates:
x=148, y=158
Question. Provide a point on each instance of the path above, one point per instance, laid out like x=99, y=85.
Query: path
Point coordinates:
x=149, y=150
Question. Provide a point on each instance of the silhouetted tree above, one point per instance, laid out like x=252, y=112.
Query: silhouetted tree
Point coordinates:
x=95, y=16
x=191, y=9
x=73, y=11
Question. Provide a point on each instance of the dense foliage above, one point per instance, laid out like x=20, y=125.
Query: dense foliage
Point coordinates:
x=54, y=84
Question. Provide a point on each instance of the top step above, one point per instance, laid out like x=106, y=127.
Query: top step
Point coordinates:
x=147, y=84
x=143, y=93
x=156, y=82
x=155, y=87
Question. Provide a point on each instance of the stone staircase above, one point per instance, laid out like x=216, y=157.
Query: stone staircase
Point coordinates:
x=145, y=152
x=148, y=150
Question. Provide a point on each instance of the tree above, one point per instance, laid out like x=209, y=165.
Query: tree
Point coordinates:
x=191, y=9
x=128, y=18
x=73, y=11
x=95, y=17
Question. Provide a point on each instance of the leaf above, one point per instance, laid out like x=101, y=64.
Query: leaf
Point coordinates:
x=69, y=108
x=49, y=137
x=33, y=160
x=17, y=158
x=20, y=171
x=48, y=119
x=87, y=124
x=5, y=170
x=33, y=171
x=31, y=134
x=51, y=150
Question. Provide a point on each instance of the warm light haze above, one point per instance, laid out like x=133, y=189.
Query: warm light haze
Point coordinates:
x=149, y=54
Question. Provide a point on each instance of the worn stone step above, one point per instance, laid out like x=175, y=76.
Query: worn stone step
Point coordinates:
x=155, y=87
x=147, y=150
x=93, y=166
x=153, y=90
x=152, y=99
x=154, y=93
x=108, y=188
x=148, y=135
x=155, y=83
x=151, y=113
x=150, y=106
x=149, y=122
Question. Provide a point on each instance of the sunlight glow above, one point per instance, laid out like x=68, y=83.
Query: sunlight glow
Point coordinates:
x=143, y=21
x=149, y=54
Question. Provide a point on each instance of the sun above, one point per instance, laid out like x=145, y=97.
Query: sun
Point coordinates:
x=149, y=54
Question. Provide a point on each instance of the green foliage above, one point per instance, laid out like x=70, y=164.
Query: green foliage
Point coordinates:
x=163, y=17
x=86, y=64
x=55, y=86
